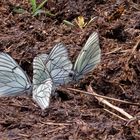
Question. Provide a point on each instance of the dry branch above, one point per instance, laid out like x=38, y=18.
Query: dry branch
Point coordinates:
x=100, y=99
x=104, y=97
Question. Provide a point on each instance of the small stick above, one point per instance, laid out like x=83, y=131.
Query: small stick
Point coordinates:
x=120, y=110
x=57, y=124
x=56, y=129
x=115, y=114
x=133, y=50
x=23, y=135
x=100, y=99
x=113, y=51
x=104, y=97
x=137, y=118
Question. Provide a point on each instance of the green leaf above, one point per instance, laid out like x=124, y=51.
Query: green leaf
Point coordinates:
x=38, y=12
x=33, y=3
x=44, y=12
x=68, y=23
x=18, y=10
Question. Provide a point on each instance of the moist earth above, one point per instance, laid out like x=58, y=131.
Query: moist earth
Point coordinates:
x=72, y=115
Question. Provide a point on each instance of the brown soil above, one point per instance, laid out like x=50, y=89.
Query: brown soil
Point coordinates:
x=74, y=116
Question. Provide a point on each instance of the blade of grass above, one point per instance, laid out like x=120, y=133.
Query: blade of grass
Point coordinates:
x=18, y=10
x=41, y=5
x=68, y=23
x=44, y=12
x=49, y=13
x=33, y=3
x=38, y=12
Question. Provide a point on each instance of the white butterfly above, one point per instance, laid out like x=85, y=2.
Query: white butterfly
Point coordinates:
x=54, y=69
x=42, y=94
x=88, y=58
x=13, y=80
x=58, y=65
x=42, y=84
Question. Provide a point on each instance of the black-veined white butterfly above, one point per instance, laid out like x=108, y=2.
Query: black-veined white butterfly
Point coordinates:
x=88, y=58
x=42, y=84
x=42, y=93
x=58, y=64
x=53, y=69
x=13, y=80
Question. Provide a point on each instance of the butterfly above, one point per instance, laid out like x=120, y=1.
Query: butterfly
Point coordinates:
x=13, y=80
x=53, y=69
x=88, y=58
x=58, y=64
x=42, y=93
x=49, y=71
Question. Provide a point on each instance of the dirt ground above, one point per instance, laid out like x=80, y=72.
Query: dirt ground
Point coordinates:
x=74, y=116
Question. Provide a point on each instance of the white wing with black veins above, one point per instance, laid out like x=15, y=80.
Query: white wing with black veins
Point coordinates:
x=88, y=58
x=13, y=80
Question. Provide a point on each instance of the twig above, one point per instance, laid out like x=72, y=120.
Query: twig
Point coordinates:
x=23, y=135
x=104, y=97
x=120, y=110
x=133, y=50
x=113, y=51
x=137, y=118
x=56, y=124
x=57, y=129
x=115, y=114
x=100, y=99
x=134, y=5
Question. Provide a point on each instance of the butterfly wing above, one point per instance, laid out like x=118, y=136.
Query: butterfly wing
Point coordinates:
x=89, y=57
x=58, y=65
x=42, y=84
x=40, y=73
x=42, y=94
x=13, y=80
